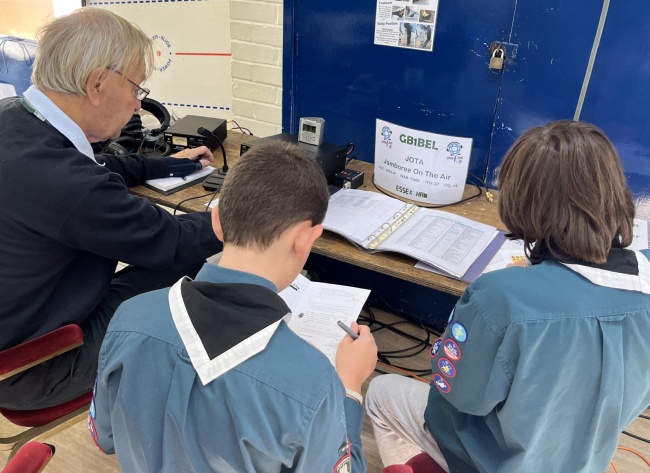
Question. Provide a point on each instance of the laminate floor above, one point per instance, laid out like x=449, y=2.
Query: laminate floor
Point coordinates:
x=75, y=451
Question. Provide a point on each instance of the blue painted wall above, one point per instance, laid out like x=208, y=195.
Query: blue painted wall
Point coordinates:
x=543, y=82
x=333, y=70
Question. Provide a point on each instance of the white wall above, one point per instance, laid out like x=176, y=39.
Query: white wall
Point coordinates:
x=256, y=46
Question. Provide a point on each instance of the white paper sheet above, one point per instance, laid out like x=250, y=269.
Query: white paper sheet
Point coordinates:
x=316, y=307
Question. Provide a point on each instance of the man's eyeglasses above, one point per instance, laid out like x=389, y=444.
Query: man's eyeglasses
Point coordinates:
x=141, y=92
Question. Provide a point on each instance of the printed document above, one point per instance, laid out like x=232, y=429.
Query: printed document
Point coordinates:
x=379, y=222
x=316, y=307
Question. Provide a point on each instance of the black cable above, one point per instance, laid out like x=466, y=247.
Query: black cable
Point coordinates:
x=419, y=347
x=242, y=129
x=349, y=148
x=178, y=206
x=207, y=206
x=478, y=194
x=352, y=158
x=399, y=313
x=637, y=437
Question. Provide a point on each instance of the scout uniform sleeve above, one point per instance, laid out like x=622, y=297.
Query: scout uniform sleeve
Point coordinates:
x=469, y=370
x=333, y=441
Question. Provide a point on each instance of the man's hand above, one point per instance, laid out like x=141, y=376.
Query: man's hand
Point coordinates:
x=356, y=359
x=201, y=154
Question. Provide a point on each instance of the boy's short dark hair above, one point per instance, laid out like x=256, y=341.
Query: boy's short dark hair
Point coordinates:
x=271, y=188
x=563, y=191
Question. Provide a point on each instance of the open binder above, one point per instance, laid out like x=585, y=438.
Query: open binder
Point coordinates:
x=376, y=222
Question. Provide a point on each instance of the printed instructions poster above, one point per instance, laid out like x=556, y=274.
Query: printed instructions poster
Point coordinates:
x=421, y=166
x=406, y=24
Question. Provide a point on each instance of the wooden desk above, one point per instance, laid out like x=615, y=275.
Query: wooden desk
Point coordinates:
x=334, y=246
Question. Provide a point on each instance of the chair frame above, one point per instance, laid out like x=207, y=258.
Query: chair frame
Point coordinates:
x=29, y=354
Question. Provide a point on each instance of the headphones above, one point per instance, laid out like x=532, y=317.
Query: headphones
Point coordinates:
x=135, y=138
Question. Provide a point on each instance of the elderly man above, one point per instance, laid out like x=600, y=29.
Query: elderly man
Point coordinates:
x=66, y=217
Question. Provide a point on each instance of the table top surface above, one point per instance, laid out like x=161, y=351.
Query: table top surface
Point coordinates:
x=334, y=246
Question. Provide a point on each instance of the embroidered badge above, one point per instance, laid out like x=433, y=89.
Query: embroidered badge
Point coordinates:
x=345, y=448
x=344, y=465
x=452, y=350
x=93, y=433
x=435, y=348
x=91, y=427
x=446, y=367
x=441, y=383
x=459, y=332
x=91, y=412
x=451, y=316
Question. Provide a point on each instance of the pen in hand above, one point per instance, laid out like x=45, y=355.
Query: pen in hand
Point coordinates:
x=348, y=330
x=355, y=335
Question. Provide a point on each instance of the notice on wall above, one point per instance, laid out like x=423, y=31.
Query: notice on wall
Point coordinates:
x=191, y=40
x=406, y=24
x=421, y=166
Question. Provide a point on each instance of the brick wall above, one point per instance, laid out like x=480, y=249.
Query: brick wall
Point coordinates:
x=256, y=32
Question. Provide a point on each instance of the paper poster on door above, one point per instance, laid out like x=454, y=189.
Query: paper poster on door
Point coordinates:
x=406, y=24
x=421, y=166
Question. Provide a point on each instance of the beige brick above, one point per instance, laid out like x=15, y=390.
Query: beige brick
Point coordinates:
x=242, y=107
x=242, y=70
x=271, y=75
x=260, y=129
x=255, y=53
x=266, y=34
x=267, y=113
x=252, y=91
x=259, y=12
x=240, y=31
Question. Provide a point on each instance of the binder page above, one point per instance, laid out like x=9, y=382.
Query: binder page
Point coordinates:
x=446, y=241
x=356, y=214
x=316, y=307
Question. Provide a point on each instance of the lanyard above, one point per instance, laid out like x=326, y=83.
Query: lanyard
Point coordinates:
x=33, y=111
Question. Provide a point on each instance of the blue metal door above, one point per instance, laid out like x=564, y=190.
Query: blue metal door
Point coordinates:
x=586, y=59
x=333, y=70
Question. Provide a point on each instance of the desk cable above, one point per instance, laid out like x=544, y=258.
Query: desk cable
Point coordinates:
x=479, y=187
x=178, y=206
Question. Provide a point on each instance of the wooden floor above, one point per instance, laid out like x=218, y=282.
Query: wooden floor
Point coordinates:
x=75, y=451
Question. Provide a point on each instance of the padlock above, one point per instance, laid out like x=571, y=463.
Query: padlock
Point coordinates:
x=498, y=56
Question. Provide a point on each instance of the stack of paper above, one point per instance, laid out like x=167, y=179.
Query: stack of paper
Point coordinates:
x=169, y=185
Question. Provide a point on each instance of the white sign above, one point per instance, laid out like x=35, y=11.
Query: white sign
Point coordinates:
x=192, y=56
x=421, y=166
x=406, y=24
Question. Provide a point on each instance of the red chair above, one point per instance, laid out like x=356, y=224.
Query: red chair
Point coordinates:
x=48, y=421
x=421, y=463
x=31, y=458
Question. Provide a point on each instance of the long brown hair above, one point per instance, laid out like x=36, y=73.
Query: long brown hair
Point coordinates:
x=564, y=193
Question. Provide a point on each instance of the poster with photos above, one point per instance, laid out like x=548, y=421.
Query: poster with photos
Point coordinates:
x=406, y=24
